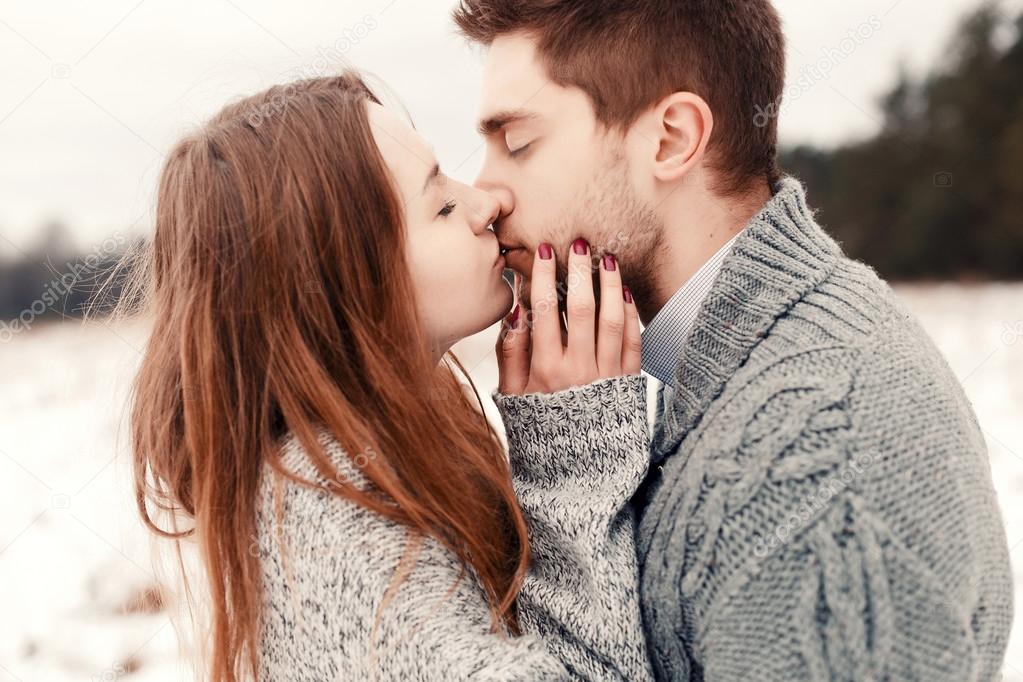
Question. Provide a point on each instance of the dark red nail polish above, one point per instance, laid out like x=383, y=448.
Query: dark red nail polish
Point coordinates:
x=580, y=246
x=610, y=264
x=627, y=294
x=514, y=317
x=546, y=252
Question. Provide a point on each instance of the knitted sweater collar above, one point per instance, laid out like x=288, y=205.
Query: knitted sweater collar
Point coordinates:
x=780, y=256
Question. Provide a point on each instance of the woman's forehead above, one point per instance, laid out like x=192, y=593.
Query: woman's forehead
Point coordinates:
x=408, y=156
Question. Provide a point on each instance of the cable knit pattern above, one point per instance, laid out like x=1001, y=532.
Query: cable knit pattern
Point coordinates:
x=820, y=505
x=328, y=563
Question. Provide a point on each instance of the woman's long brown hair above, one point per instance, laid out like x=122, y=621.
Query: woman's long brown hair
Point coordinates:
x=282, y=302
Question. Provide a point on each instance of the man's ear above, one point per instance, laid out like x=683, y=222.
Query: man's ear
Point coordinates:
x=681, y=123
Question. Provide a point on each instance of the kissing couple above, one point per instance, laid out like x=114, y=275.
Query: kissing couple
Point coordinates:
x=813, y=501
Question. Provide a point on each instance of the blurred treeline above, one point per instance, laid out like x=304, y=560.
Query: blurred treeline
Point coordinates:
x=938, y=192
x=55, y=279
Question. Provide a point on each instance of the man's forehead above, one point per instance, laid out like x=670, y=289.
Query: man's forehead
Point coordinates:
x=511, y=76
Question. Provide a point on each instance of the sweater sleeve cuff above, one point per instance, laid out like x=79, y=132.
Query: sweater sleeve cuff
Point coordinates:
x=578, y=431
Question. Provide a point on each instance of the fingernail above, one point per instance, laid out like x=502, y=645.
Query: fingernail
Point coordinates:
x=627, y=294
x=580, y=246
x=514, y=317
x=545, y=251
x=610, y=264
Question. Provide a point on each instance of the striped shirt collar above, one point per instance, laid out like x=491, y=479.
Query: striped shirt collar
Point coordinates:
x=664, y=336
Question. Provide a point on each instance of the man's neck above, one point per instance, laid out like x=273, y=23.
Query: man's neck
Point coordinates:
x=695, y=230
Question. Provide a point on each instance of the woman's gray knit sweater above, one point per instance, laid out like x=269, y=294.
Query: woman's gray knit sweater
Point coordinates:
x=820, y=504
x=577, y=457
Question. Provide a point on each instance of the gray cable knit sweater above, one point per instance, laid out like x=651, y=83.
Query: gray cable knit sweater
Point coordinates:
x=577, y=457
x=820, y=502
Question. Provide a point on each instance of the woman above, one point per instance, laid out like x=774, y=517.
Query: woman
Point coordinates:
x=355, y=513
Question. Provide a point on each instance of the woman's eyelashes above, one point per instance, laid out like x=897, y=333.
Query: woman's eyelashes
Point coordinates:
x=448, y=209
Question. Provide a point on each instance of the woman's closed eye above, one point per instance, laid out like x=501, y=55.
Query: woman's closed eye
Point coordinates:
x=448, y=208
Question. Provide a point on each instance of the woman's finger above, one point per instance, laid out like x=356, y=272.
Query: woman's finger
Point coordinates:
x=610, y=319
x=580, y=307
x=631, y=340
x=513, y=353
x=543, y=302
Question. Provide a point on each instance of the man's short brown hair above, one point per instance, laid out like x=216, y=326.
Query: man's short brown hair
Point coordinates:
x=628, y=54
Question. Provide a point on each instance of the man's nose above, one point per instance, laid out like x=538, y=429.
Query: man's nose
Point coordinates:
x=503, y=195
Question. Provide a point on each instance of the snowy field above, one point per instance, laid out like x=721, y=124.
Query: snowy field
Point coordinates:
x=78, y=593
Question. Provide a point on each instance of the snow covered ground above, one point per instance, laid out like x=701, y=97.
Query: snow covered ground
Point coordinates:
x=76, y=575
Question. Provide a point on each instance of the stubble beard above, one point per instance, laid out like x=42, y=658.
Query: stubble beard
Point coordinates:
x=618, y=223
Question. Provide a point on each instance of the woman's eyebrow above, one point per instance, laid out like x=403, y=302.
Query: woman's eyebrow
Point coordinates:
x=432, y=176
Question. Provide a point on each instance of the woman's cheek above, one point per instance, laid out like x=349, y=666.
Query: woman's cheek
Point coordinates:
x=427, y=273
x=453, y=277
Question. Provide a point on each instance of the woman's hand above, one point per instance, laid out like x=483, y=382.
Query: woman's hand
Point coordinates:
x=533, y=353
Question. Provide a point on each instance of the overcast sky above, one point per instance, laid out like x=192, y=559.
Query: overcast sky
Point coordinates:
x=94, y=93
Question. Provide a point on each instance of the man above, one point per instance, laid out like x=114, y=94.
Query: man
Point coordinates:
x=819, y=503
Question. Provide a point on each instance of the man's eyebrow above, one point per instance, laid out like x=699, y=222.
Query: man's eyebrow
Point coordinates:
x=493, y=124
x=432, y=176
